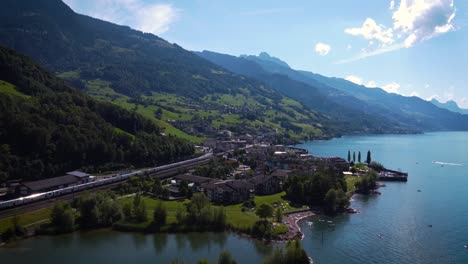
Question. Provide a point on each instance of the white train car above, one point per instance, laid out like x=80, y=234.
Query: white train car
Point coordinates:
x=76, y=188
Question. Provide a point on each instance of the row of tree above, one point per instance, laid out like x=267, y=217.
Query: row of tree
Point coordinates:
x=89, y=211
x=368, y=158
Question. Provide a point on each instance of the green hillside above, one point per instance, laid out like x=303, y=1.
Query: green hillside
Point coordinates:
x=145, y=73
x=48, y=128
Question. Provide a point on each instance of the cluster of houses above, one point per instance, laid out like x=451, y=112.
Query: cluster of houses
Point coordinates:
x=274, y=164
x=229, y=191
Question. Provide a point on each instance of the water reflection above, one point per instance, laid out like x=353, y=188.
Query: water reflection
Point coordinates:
x=202, y=240
x=139, y=241
x=263, y=248
x=181, y=241
x=160, y=242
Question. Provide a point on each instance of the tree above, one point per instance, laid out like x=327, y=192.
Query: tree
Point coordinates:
x=354, y=156
x=359, y=157
x=219, y=218
x=349, y=156
x=226, y=258
x=198, y=201
x=127, y=211
x=331, y=201
x=181, y=216
x=368, y=159
x=279, y=215
x=160, y=215
x=141, y=213
x=136, y=200
x=183, y=188
x=367, y=182
x=62, y=217
x=376, y=166
x=264, y=211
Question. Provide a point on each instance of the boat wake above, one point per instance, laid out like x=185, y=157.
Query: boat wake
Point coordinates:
x=447, y=163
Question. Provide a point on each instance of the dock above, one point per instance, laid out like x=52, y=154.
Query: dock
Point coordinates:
x=391, y=175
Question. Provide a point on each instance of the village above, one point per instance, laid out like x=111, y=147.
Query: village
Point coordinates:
x=243, y=169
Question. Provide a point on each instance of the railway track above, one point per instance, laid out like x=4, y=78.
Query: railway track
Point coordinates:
x=5, y=213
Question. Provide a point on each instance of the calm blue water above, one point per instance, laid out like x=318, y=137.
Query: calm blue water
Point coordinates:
x=401, y=216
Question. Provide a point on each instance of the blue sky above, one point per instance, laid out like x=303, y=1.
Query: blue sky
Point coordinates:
x=410, y=47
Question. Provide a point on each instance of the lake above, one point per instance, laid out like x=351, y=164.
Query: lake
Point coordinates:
x=403, y=225
x=395, y=226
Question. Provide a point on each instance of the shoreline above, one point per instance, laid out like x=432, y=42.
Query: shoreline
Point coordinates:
x=294, y=230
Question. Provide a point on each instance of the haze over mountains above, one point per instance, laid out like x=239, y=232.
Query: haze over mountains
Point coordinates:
x=194, y=95
x=340, y=97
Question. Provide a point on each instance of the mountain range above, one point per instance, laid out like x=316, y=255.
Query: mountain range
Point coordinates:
x=184, y=94
x=343, y=99
x=196, y=95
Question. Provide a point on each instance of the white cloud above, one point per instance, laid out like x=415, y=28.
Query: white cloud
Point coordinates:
x=434, y=96
x=156, y=18
x=391, y=87
x=322, y=49
x=354, y=79
x=421, y=20
x=414, y=21
x=372, y=31
x=148, y=17
x=371, y=84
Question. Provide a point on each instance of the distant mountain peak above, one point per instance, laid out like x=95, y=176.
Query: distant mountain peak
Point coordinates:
x=266, y=57
x=449, y=105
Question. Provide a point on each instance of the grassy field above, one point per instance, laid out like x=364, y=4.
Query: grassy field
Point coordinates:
x=8, y=88
x=35, y=217
x=235, y=216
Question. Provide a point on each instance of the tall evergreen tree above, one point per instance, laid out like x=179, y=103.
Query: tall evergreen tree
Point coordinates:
x=359, y=157
x=368, y=159
x=349, y=156
x=354, y=156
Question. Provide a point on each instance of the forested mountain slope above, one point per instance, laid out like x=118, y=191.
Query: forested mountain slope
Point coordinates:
x=186, y=95
x=48, y=128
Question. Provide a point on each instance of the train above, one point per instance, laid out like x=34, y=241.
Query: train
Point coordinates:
x=80, y=187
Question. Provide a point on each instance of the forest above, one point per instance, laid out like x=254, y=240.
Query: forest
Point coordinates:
x=48, y=128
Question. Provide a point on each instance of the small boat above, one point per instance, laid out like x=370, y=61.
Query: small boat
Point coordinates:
x=466, y=246
x=419, y=190
x=309, y=223
x=329, y=222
